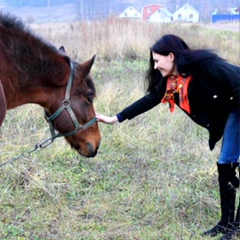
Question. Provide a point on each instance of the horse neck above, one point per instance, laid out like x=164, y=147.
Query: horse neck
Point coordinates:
x=32, y=70
x=39, y=89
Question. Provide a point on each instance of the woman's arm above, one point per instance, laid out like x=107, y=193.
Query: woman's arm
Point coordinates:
x=106, y=119
x=138, y=107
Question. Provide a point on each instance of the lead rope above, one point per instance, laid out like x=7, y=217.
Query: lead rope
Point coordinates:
x=65, y=105
x=26, y=154
x=46, y=142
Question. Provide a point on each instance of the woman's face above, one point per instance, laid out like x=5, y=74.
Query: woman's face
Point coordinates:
x=165, y=64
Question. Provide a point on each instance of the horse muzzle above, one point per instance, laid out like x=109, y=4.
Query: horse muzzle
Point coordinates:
x=88, y=151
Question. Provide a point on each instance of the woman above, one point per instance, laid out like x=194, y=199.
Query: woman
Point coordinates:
x=207, y=89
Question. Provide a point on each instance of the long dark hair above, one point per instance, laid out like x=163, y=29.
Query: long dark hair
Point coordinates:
x=186, y=59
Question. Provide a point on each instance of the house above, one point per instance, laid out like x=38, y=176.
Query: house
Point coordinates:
x=130, y=12
x=226, y=10
x=161, y=15
x=186, y=14
x=149, y=10
x=226, y=15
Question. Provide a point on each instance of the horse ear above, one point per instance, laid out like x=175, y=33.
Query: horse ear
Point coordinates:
x=86, y=66
x=93, y=57
x=3, y=104
x=62, y=49
x=64, y=54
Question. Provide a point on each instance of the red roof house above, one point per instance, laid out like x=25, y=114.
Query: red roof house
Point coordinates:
x=149, y=10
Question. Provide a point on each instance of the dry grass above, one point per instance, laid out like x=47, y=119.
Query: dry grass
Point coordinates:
x=153, y=178
x=117, y=39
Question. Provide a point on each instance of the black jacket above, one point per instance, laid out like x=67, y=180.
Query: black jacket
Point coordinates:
x=213, y=92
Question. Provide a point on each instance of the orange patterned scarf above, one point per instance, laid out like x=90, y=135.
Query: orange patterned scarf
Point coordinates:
x=177, y=84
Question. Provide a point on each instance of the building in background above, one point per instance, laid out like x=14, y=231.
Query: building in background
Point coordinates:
x=231, y=14
x=161, y=15
x=130, y=12
x=40, y=11
x=149, y=10
x=186, y=13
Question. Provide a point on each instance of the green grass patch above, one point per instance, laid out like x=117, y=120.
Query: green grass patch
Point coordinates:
x=154, y=177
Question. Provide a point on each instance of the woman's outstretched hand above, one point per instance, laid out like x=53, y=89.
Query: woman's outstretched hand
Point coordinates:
x=106, y=119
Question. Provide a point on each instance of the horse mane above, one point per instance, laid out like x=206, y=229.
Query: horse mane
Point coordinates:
x=14, y=23
x=30, y=54
x=11, y=22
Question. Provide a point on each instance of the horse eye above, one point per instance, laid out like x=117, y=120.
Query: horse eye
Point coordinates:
x=90, y=99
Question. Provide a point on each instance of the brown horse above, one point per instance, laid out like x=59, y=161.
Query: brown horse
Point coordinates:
x=34, y=71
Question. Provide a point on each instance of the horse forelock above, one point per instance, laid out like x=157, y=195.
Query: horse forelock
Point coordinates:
x=91, y=85
x=84, y=78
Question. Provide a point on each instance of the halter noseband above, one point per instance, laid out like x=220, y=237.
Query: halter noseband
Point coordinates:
x=66, y=105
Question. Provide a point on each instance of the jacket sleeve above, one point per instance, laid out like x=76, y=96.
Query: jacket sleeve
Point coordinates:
x=144, y=104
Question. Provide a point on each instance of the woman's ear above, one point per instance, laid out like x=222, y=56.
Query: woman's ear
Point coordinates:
x=172, y=57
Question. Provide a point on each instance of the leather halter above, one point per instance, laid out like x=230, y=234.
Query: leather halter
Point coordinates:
x=66, y=105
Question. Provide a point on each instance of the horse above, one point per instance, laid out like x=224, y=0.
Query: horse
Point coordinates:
x=32, y=70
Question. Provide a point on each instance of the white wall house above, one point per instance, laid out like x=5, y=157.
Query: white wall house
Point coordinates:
x=186, y=14
x=130, y=12
x=161, y=15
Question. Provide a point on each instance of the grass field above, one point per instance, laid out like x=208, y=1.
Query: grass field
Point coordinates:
x=154, y=177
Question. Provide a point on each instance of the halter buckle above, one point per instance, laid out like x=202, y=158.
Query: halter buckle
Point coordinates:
x=66, y=102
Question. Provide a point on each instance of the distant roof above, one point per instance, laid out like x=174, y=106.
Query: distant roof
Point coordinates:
x=130, y=12
x=166, y=12
x=149, y=5
x=227, y=10
x=148, y=10
x=188, y=5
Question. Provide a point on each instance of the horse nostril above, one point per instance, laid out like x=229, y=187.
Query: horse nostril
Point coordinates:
x=91, y=151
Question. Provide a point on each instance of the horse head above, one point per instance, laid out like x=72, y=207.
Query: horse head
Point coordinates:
x=35, y=71
x=72, y=114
